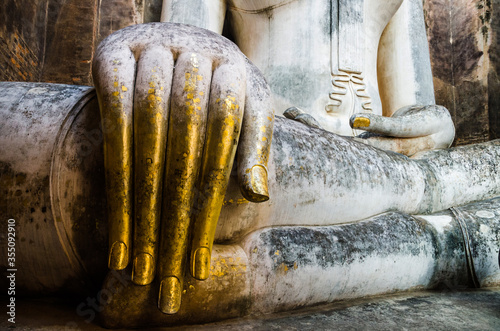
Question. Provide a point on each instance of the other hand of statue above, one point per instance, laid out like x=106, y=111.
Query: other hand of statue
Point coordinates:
x=408, y=131
x=173, y=100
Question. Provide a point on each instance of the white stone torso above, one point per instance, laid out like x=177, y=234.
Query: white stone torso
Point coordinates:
x=294, y=43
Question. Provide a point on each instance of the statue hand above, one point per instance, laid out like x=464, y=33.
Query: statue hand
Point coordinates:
x=410, y=130
x=178, y=97
x=297, y=114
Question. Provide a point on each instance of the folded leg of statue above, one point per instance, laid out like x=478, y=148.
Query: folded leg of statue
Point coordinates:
x=288, y=267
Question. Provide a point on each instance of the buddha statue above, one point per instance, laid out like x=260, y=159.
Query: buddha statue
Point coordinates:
x=318, y=205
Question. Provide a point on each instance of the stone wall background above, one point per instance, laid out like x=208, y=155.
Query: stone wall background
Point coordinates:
x=464, y=45
x=54, y=41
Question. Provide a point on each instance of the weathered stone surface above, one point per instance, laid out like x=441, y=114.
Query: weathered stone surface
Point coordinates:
x=494, y=74
x=115, y=15
x=459, y=37
x=70, y=41
x=55, y=40
x=26, y=183
x=22, y=39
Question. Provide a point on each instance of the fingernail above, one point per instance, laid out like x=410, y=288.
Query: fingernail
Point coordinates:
x=361, y=122
x=258, y=182
x=201, y=263
x=169, y=299
x=143, y=271
x=118, y=256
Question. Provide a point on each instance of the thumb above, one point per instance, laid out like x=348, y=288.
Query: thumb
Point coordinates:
x=408, y=122
x=255, y=139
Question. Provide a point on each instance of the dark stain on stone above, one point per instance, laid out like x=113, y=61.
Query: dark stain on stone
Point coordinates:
x=389, y=234
x=20, y=178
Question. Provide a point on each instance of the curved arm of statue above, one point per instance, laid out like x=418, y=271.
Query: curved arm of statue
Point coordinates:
x=409, y=130
x=181, y=95
x=411, y=123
